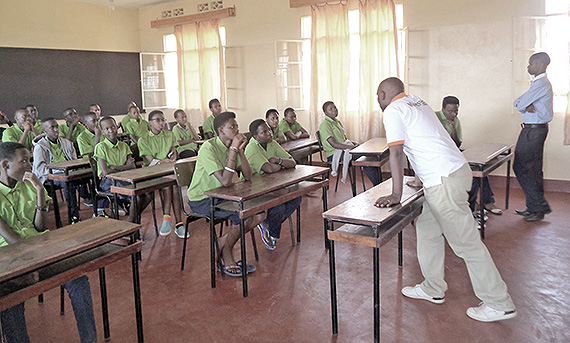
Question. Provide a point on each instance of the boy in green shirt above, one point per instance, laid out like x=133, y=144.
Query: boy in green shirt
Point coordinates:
x=266, y=156
x=290, y=127
x=95, y=109
x=114, y=156
x=34, y=113
x=159, y=146
x=185, y=135
x=134, y=125
x=87, y=140
x=23, y=132
x=272, y=118
x=218, y=160
x=24, y=214
x=208, y=126
x=72, y=126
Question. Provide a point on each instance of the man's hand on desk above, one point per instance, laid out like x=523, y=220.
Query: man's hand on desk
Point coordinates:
x=388, y=201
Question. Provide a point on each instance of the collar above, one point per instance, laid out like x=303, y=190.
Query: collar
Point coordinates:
x=109, y=143
x=334, y=120
x=216, y=140
x=399, y=96
x=152, y=134
x=7, y=190
x=255, y=141
x=540, y=76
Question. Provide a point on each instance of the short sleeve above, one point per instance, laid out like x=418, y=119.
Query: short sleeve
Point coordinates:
x=144, y=147
x=212, y=162
x=395, y=129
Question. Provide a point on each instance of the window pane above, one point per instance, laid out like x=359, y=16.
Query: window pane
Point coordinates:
x=169, y=42
x=222, y=31
x=306, y=27
x=399, y=16
x=556, y=6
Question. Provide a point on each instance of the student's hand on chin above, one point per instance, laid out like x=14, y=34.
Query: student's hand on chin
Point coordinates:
x=29, y=176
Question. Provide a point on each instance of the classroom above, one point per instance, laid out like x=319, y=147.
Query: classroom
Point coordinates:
x=477, y=51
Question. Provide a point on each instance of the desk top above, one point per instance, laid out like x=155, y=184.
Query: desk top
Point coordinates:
x=266, y=183
x=361, y=209
x=71, y=164
x=483, y=153
x=73, y=175
x=373, y=146
x=144, y=173
x=290, y=146
x=38, y=251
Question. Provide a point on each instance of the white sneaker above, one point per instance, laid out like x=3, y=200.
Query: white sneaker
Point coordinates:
x=484, y=313
x=179, y=231
x=416, y=292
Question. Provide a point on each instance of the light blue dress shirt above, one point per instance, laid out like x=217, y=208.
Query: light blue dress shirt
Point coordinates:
x=540, y=95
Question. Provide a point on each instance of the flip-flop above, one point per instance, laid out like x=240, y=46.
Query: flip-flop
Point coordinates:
x=229, y=270
x=250, y=267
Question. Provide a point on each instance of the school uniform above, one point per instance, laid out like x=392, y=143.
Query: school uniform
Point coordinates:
x=156, y=145
x=64, y=130
x=14, y=133
x=138, y=128
x=115, y=155
x=284, y=126
x=208, y=125
x=86, y=142
x=183, y=134
x=277, y=132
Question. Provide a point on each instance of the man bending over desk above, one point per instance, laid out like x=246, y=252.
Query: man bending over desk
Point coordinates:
x=413, y=128
x=218, y=160
x=23, y=214
x=266, y=156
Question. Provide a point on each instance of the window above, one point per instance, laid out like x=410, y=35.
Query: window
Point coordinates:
x=171, y=71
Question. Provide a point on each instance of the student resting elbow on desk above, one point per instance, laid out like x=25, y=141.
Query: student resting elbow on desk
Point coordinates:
x=267, y=156
x=24, y=214
x=290, y=127
x=87, y=139
x=272, y=118
x=72, y=127
x=218, y=161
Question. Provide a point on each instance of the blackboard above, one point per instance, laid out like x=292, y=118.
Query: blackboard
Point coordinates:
x=54, y=80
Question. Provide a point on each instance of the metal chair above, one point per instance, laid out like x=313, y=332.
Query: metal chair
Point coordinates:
x=329, y=164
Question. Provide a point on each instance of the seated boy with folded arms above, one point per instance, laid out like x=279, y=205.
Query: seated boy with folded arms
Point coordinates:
x=208, y=126
x=185, y=135
x=218, y=161
x=290, y=127
x=159, y=146
x=272, y=118
x=87, y=139
x=134, y=125
x=72, y=127
x=24, y=214
x=267, y=156
x=114, y=156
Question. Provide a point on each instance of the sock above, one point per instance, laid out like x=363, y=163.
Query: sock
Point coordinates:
x=166, y=218
x=179, y=224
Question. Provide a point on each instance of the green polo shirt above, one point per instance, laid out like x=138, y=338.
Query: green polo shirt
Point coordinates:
x=57, y=152
x=257, y=155
x=86, y=142
x=284, y=126
x=158, y=146
x=447, y=125
x=13, y=134
x=208, y=125
x=64, y=129
x=182, y=134
x=212, y=156
x=113, y=154
x=138, y=128
x=331, y=128
x=38, y=127
x=277, y=132
x=18, y=209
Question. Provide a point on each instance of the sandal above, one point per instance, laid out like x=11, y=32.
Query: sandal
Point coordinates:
x=250, y=267
x=234, y=270
x=491, y=207
x=266, y=237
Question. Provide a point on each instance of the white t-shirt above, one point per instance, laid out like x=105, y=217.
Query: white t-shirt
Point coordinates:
x=430, y=149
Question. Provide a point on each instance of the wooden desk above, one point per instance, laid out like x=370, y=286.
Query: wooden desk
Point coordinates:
x=76, y=171
x=373, y=153
x=40, y=263
x=291, y=146
x=368, y=225
x=250, y=197
x=483, y=159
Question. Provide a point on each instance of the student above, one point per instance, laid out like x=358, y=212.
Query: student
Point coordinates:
x=23, y=132
x=218, y=161
x=24, y=214
x=290, y=127
x=95, y=109
x=337, y=146
x=50, y=147
x=536, y=106
x=4, y=119
x=87, y=139
x=72, y=126
x=451, y=123
x=413, y=128
x=185, y=135
x=267, y=156
x=208, y=126
x=159, y=146
x=114, y=156
x=272, y=118
x=35, y=114
x=134, y=125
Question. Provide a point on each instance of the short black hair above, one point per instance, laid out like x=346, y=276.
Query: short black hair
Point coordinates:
x=176, y=113
x=221, y=120
x=44, y=120
x=271, y=110
x=153, y=113
x=105, y=118
x=88, y=114
x=254, y=125
x=94, y=105
x=18, y=110
x=8, y=150
x=68, y=109
x=30, y=105
x=326, y=104
x=543, y=57
x=449, y=100
x=287, y=110
x=212, y=102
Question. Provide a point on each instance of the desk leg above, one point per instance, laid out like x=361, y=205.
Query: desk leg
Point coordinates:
x=334, y=311
x=325, y=207
x=481, y=208
x=212, y=248
x=115, y=206
x=68, y=193
x=353, y=180
x=243, y=254
x=137, y=292
x=400, y=254
x=508, y=186
x=376, y=263
x=299, y=224
x=104, y=304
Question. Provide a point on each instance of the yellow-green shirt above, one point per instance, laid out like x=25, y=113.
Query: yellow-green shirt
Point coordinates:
x=284, y=126
x=447, y=125
x=277, y=132
x=113, y=154
x=18, y=209
x=331, y=128
x=212, y=157
x=208, y=125
x=14, y=133
x=64, y=129
x=257, y=155
x=158, y=146
x=138, y=128
x=38, y=127
x=86, y=142
x=57, y=152
x=182, y=134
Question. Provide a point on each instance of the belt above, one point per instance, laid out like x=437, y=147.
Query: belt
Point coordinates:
x=534, y=126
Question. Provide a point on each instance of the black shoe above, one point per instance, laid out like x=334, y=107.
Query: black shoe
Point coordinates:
x=548, y=211
x=525, y=213
x=534, y=217
x=75, y=219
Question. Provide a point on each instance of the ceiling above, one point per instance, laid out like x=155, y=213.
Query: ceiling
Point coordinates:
x=127, y=3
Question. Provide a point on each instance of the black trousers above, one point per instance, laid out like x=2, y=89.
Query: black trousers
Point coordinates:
x=528, y=167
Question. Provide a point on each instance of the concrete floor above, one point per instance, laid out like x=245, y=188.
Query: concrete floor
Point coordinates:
x=289, y=297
